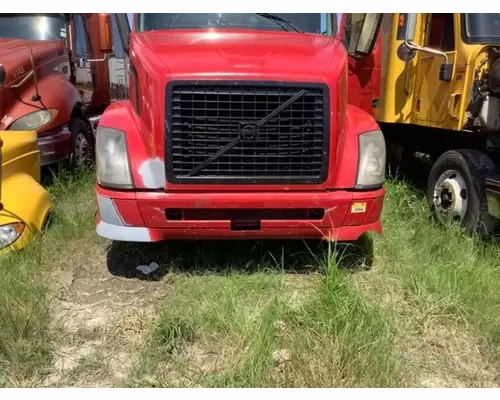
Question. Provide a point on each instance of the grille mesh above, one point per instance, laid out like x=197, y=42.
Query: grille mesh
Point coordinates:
x=204, y=118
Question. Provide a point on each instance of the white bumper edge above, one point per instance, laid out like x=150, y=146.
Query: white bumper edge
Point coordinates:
x=123, y=233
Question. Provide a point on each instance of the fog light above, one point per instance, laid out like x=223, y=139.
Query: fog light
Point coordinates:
x=9, y=233
x=358, y=207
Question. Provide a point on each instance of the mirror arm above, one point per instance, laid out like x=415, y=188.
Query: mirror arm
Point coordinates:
x=407, y=79
x=414, y=46
x=354, y=54
x=106, y=55
x=82, y=61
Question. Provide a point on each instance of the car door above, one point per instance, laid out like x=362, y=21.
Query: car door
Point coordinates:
x=432, y=105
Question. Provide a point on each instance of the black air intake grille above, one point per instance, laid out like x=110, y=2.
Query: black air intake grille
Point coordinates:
x=211, y=132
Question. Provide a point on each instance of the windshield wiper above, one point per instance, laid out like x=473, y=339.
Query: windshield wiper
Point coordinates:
x=279, y=19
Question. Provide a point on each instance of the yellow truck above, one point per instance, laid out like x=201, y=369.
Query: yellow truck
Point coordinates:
x=441, y=97
x=25, y=205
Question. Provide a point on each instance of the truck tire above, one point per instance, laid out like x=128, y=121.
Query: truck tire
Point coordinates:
x=456, y=190
x=82, y=143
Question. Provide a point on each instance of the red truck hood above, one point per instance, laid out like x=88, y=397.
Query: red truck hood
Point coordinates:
x=242, y=52
x=165, y=56
x=14, y=53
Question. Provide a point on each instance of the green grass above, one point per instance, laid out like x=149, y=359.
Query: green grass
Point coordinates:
x=250, y=314
x=25, y=341
x=446, y=272
x=333, y=335
x=27, y=337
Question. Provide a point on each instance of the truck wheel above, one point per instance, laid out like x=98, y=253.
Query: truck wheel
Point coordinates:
x=456, y=190
x=82, y=150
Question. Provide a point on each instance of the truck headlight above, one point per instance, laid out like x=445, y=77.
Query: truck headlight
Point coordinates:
x=9, y=233
x=112, y=162
x=33, y=121
x=372, y=155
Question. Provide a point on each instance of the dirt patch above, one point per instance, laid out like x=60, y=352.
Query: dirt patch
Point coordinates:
x=67, y=357
x=202, y=359
x=102, y=317
x=122, y=364
x=452, y=355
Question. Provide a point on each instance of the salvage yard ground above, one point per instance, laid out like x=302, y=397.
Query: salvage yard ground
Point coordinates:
x=74, y=311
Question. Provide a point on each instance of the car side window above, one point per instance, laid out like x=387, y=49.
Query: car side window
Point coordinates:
x=441, y=34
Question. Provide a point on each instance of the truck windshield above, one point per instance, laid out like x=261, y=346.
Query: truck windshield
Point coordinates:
x=33, y=26
x=318, y=23
x=482, y=28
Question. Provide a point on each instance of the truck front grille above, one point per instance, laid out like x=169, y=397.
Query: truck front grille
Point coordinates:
x=236, y=132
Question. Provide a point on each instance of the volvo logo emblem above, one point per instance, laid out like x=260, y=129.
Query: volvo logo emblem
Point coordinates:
x=249, y=132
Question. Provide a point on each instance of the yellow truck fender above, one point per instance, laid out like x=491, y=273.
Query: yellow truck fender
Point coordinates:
x=24, y=200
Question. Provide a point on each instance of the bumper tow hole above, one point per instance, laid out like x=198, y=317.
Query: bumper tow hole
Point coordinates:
x=174, y=214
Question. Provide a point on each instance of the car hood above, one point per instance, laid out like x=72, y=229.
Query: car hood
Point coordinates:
x=15, y=55
x=241, y=52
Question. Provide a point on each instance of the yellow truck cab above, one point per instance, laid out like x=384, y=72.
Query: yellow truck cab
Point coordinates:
x=441, y=96
x=25, y=205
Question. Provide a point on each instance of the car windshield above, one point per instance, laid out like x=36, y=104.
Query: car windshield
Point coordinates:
x=482, y=28
x=33, y=26
x=318, y=23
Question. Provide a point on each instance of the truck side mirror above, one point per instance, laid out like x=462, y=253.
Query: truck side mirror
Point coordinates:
x=411, y=27
x=105, y=33
x=364, y=32
x=407, y=51
x=3, y=75
x=123, y=30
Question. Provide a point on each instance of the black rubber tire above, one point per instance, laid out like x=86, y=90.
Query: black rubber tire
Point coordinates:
x=474, y=166
x=77, y=126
